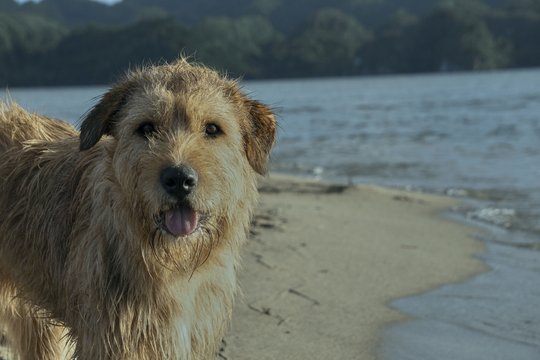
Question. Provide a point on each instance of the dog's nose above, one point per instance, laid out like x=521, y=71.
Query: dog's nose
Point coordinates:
x=179, y=181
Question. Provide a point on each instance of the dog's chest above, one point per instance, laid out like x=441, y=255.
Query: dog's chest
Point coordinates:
x=204, y=309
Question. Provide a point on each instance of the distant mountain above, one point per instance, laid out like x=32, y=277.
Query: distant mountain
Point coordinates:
x=72, y=13
x=55, y=42
x=285, y=15
x=8, y=5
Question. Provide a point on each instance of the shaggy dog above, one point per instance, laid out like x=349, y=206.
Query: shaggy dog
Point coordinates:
x=127, y=237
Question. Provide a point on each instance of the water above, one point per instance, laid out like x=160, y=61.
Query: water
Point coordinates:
x=475, y=136
x=66, y=103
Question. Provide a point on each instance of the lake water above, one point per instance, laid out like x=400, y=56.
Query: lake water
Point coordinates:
x=467, y=134
x=473, y=135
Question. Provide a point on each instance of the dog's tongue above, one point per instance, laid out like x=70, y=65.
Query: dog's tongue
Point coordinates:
x=182, y=221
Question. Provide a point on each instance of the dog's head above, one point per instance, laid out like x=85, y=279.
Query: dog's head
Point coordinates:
x=185, y=145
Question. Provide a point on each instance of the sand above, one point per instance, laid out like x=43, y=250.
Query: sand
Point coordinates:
x=325, y=261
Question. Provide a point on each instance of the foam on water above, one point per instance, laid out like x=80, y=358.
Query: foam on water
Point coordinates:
x=501, y=217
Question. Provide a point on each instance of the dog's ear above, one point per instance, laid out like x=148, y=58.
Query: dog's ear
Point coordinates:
x=260, y=135
x=101, y=119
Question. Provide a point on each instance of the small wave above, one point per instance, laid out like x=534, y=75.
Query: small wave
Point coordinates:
x=377, y=107
x=383, y=170
x=302, y=109
x=504, y=130
x=456, y=192
x=498, y=216
x=428, y=136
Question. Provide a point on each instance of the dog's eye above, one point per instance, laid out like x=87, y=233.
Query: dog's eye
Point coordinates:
x=212, y=130
x=146, y=130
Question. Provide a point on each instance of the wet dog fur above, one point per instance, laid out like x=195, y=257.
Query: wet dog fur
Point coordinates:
x=122, y=242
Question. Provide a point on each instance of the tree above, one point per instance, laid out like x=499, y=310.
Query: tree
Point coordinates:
x=99, y=54
x=328, y=45
x=8, y=5
x=24, y=38
x=525, y=8
x=28, y=33
x=236, y=45
x=454, y=39
x=389, y=49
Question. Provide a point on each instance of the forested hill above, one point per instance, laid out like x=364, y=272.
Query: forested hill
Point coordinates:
x=285, y=15
x=68, y=42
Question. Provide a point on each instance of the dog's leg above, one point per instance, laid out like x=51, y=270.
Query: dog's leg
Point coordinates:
x=31, y=337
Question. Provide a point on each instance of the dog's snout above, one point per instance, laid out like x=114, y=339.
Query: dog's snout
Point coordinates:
x=179, y=181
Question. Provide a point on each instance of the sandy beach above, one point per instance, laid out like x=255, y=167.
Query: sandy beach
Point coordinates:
x=325, y=261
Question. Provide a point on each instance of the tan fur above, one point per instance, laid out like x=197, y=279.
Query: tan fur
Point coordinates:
x=79, y=242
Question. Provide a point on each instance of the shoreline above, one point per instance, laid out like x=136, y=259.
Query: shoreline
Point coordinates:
x=326, y=262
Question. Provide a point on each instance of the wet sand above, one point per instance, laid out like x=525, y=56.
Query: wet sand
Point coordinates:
x=325, y=262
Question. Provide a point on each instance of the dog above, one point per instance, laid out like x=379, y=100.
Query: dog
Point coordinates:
x=123, y=241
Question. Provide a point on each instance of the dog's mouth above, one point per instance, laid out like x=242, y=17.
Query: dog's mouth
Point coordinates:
x=180, y=221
